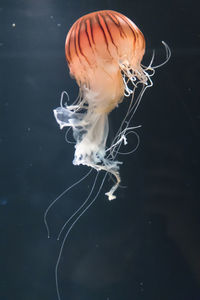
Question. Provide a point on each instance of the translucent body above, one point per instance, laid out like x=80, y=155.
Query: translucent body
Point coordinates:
x=104, y=50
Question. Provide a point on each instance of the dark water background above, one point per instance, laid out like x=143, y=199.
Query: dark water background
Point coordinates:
x=145, y=245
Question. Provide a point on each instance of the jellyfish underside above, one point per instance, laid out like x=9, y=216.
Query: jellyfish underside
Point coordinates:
x=103, y=64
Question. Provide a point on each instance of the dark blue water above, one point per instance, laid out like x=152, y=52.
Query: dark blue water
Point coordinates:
x=145, y=245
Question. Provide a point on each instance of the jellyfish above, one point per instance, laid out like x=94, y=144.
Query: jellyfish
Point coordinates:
x=104, y=50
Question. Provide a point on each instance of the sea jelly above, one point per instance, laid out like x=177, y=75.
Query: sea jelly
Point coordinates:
x=104, y=50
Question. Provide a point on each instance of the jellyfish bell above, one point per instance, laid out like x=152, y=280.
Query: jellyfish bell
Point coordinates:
x=104, y=50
